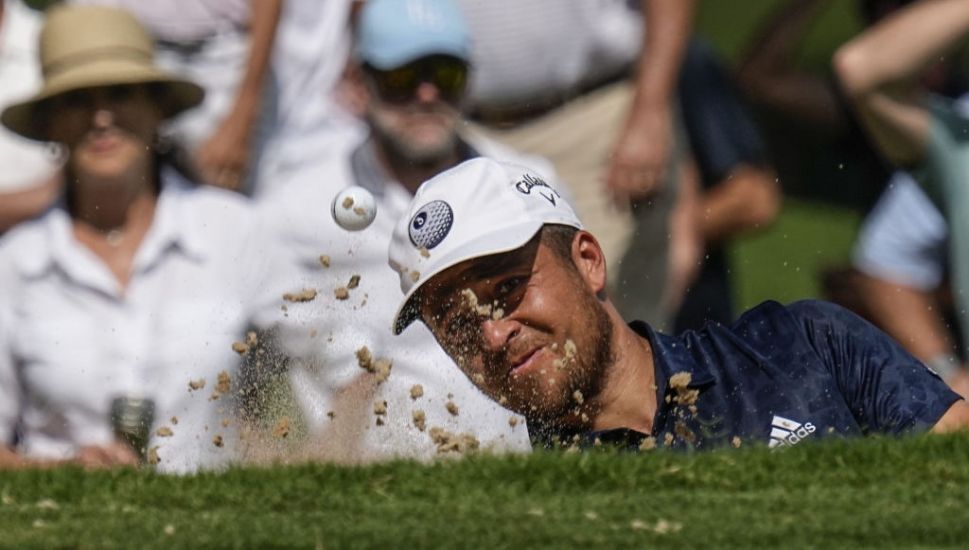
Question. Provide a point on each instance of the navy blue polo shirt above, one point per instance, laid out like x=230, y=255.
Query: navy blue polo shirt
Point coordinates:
x=783, y=374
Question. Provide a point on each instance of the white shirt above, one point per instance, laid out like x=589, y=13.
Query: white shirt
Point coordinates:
x=904, y=239
x=308, y=58
x=71, y=339
x=309, y=54
x=184, y=20
x=24, y=163
x=326, y=333
x=540, y=50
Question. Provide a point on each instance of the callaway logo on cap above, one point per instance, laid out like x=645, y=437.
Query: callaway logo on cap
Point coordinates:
x=478, y=208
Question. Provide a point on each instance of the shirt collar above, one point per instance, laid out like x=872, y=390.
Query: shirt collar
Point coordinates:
x=366, y=168
x=370, y=174
x=173, y=227
x=671, y=355
x=45, y=243
x=51, y=247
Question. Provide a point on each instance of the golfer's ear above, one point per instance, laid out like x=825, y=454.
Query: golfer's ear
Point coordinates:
x=589, y=260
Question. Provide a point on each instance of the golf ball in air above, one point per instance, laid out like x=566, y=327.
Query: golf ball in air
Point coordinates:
x=354, y=208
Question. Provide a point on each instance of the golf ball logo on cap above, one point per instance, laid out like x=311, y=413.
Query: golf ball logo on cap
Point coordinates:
x=431, y=224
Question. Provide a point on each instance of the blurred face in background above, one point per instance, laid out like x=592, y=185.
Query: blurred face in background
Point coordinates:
x=108, y=130
x=413, y=110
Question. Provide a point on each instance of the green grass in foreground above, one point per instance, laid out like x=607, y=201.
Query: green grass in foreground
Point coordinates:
x=879, y=492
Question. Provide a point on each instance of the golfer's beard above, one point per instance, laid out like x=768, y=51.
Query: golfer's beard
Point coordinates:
x=601, y=358
x=586, y=374
x=591, y=368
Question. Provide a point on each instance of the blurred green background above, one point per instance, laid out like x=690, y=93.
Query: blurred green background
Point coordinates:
x=820, y=218
x=730, y=26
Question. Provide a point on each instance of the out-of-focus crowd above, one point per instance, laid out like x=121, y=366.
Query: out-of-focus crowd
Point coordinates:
x=175, y=291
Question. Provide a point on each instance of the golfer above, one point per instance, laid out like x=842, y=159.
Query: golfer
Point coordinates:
x=499, y=268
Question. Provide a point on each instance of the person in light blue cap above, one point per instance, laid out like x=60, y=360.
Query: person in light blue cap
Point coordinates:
x=413, y=67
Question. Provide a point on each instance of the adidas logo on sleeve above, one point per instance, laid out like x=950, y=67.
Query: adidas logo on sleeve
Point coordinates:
x=787, y=432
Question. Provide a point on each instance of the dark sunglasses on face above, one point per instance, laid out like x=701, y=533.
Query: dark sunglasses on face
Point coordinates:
x=89, y=98
x=449, y=75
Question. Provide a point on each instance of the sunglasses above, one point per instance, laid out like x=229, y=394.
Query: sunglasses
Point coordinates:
x=449, y=75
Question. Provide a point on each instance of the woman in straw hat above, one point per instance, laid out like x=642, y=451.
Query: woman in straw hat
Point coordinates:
x=128, y=294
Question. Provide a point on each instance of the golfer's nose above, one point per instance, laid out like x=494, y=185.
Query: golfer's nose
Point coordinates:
x=497, y=333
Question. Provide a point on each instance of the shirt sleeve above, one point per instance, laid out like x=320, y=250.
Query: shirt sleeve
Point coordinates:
x=720, y=129
x=887, y=389
x=904, y=238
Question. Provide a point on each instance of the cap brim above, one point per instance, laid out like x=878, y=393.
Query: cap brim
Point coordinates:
x=504, y=240
x=181, y=94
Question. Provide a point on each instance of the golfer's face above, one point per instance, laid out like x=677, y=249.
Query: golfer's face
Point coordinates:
x=509, y=322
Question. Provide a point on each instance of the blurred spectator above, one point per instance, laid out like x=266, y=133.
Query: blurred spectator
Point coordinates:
x=902, y=258
x=591, y=85
x=225, y=46
x=739, y=194
x=137, y=282
x=309, y=56
x=29, y=175
x=410, y=75
x=828, y=157
x=879, y=71
x=898, y=264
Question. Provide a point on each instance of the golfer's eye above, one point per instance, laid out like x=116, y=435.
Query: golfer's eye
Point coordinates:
x=508, y=291
x=508, y=286
x=446, y=320
x=458, y=326
x=457, y=333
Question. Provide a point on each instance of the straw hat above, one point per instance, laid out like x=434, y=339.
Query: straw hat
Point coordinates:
x=88, y=46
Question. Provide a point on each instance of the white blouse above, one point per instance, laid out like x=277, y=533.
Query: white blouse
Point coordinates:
x=71, y=339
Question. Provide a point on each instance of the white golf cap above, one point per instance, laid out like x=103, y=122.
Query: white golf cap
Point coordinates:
x=478, y=208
